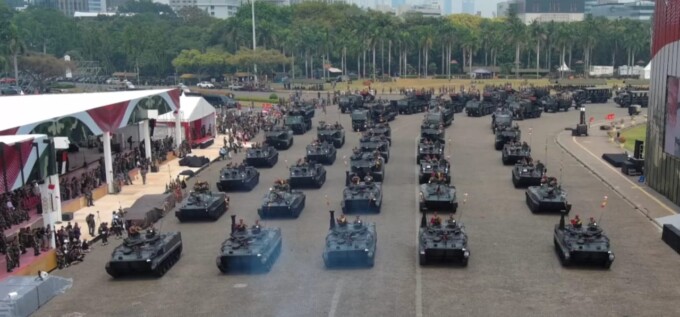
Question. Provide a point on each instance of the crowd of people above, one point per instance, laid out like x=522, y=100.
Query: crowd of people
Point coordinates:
x=15, y=205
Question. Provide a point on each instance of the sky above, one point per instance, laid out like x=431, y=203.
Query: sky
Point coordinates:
x=486, y=6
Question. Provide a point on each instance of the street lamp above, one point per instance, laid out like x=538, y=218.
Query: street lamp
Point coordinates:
x=252, y=10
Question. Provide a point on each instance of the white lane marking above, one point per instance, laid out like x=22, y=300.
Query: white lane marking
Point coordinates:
x=336, y=298
x=241, y=285
x=419, y=284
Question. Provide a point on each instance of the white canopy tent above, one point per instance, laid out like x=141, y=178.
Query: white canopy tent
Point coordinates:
x=647, y=74
x=197, y=118
x=564, y=68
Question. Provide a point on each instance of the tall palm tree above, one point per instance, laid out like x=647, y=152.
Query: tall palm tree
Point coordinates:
x=16, y=47
x=517, y=35
x=538, y=33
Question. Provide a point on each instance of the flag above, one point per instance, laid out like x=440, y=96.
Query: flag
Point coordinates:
x=610, y=117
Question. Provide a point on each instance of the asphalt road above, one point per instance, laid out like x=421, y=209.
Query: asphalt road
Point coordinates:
x=513, y=270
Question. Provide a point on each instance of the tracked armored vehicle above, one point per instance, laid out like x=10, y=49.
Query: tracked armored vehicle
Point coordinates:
x=438, y=196
x=249, y=249
x=383, y=111
x=297, y=122
x=555, y=104
x=203, y=204
x=145, y=253
x=548, y=197
x=500, y=120
x=437, y=242
x=331, y=133
x=359, y=119
x=304, y=175
x=432, y=131
x=376, y=144
x=380, y=128
x=281, y=138
x=362, y=164
x=362, y=197
x=575, y=243
x=282, y=202
x=507, y=135
x=428, y=148
x=525, y=175
x=434, y=168
x=262, y=156
x=348, y=103
x=350, y=244
x=241, y=177
x=476, y=108
x=321, y=152
x=515, y=152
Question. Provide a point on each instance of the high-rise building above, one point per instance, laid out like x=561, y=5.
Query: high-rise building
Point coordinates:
x=429, y=10
x=220, y=9
x=638, y=10
x=69, y=7
x=550, y=10
x=469, y=6
x=502, y=8
x=96, y=6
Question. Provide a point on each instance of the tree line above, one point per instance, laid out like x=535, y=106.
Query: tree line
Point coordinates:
x=308, y=37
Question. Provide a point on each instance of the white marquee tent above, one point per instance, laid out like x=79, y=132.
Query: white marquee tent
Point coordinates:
x=197, y=117
x=647, y=74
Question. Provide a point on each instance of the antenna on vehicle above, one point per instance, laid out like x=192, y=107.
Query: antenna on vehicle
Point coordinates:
x=465, y=198
x=603, y=205
x=530, y=136
x=561, y=167
x=546, y=150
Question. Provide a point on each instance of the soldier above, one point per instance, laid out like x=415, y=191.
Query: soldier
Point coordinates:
x=241, y=226
x=435, y=220
x=452, y=222
x=144, y=170
x=576, y=222
x=357, y=221
x=356, y=180
x=90, y=224
x=15, y=251
x=592, y=223
x=10, y=262
x=342, y=221
x=3, y=242
x=539, y=166
x=104, y=233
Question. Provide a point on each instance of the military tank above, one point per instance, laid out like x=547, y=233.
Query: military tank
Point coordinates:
x=364, y=164
x=548, y=197
x=429, y=148
x=282, y=202
x=350, y=244
x=249, y=249
x=501, y=119
x=507, y=135
x=379, y=128
x=262, y=156
x=585, y=245
x=148, y=253
x=360, y=119
x=524, y=174
x=515, y=152
x=438, y=196
x=238, y=177
x=375, y=144
x=362, y=197
x=439, y=242
x=334, y=134
x=281, y=138
x=298, y=121
x=430, y=168
x=432, y=132
x=304, y=175
x=202, y=203
x=476, y=108
x=322, y=152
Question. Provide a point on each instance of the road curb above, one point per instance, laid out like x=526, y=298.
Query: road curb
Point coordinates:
x=606, y=181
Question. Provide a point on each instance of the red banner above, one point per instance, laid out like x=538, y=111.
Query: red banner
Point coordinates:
x=610, y=117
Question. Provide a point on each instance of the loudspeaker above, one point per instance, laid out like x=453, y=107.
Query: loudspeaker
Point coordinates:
x=639, y=149
x=67, y=216
x=671, y=235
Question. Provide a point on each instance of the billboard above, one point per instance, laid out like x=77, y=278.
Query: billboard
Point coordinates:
x=672, y=124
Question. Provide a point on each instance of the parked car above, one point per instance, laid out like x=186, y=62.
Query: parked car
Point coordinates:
x=235, y=87
x=205, y=84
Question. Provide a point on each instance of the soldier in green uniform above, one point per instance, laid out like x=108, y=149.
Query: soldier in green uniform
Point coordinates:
x=10, y=262
x=15, y=252
x=36, y=241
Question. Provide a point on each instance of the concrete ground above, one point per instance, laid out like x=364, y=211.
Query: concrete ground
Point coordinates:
x=513, y=270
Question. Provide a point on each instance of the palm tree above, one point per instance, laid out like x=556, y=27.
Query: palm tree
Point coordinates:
x=517, y=35
x=15, y=47
x=538, y=33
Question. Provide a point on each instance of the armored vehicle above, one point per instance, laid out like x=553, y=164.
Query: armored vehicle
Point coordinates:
x=262, y=156
x=362, y=197
x=305, y=108
x=414, y=103
x=526, y=109
x=515, y=152
x=434, y=168
x=442, y=242
x=249, y=249
x=307, y=175
x=598, y=94
x=145, y=253
x=575, y=243
x=383, y=111
x=527, y=174
x=297, y=122
x=282, y=202
x=359, y=120
x=350, y=244
x=548, y=197
x=348, y=103
x=364, y=164
x=241, y=177
x=376, y=144
x=281, y=138
x=429, y=148
x=501, y=119
x=331, y=133
x=632, y=97
x=322, y=152
x=432, y=132
x=507, y=135
x=476, y=108
x=380, y=128
x=438, y=196
x=458, y=101
x=555, y=104
x=438, y=115
x=202, y=203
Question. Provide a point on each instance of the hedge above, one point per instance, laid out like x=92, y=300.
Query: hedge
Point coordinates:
x=257, y=99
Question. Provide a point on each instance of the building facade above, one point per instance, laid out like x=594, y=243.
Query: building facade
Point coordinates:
x=96, y=6
x=69, y=7
x=638, y=10
x=662, y=148
x=432, y=11
x=468, y=6
x=551, y=10
x=502, y=8
x=220, y=9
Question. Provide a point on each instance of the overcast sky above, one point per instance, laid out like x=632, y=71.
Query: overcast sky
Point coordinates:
x=486, y=6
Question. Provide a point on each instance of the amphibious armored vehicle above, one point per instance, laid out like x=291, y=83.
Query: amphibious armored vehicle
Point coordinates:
x=364, y=164
x=438, y=196
x=575, y=243
x=262, y=156
x=145, y=253
x=362, y=197
x=249, y=249
x=305, y=175
x=202, y=204
x=507, y=135
x=281, y=138
x=331, y=133
x=432, y=132
x=321, y=152
x=383, y=111
x=434, y=168
x=380, y=128
x=524, y=175
x=350, y=102
x=282, y=202
x=298, y=122
x=476, y=108
x=548, y=197
x=429, y=148
x=500, y=120
x=350, y=244
x=359, y=119
x=514, y=153
x=376, y=144
x=241, y=177
x=442, y=242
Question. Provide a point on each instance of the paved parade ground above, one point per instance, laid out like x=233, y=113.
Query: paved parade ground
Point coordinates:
x=513, y=269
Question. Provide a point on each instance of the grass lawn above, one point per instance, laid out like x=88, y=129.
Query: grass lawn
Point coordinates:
x=636, y=133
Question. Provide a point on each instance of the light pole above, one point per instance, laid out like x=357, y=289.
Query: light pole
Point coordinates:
x=252, y=10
